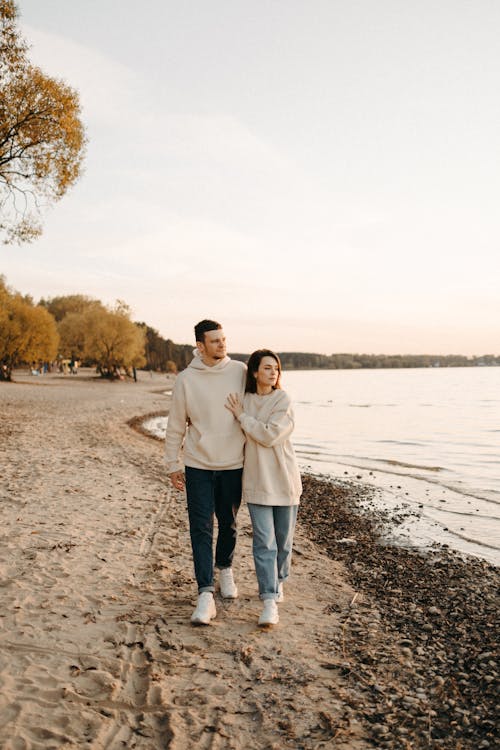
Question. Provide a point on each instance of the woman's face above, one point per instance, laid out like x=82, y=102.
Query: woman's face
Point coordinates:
x=268, y=372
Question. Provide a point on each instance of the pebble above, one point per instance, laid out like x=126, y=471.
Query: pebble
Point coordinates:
x=380, y=728
x=410, y=700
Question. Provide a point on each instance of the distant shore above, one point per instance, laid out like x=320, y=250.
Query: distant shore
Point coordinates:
x=377, y=646
x=312, y=361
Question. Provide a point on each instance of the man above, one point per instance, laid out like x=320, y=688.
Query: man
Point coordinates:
x=213, y=443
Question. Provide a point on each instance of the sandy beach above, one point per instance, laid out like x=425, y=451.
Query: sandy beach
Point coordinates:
x=377, y=646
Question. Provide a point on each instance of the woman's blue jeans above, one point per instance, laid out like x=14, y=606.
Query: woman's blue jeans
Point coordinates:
x=208, y=493
x=273, y=529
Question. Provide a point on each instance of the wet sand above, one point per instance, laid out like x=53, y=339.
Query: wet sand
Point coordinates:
x=96, y=587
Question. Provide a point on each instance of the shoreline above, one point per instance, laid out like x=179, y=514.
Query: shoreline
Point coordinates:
x=439, y=606
x=97, y=589
x=420, y=510
x=434, y=602
x=416, y=505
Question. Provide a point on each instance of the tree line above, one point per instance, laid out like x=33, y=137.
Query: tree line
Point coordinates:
x=76, y=328
x=67, y=329
x=310, y=361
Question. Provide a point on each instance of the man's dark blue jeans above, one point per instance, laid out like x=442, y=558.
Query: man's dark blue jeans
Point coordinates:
x=208, y=493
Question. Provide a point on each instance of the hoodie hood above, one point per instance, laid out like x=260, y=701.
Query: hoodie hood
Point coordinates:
x=198, y=364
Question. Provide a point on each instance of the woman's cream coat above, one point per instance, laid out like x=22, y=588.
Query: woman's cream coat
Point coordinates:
x=270, y=472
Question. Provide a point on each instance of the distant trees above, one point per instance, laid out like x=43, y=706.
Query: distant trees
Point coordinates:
x=310, y=361
x=112, y=340
x=103, y=335
x=162, y=354
x=28, y=333
x=87, y=330
x=81, y=328
x=42, y=138
x=69, y=312
x=70, y=303
x=78, y=327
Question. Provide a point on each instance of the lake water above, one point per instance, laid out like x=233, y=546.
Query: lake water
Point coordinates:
x=427, y=440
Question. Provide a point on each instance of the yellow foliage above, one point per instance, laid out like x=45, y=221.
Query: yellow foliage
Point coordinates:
x=113, y=340
x=72, y=330
x=88, y=330
x=106, y=336
x=42, y=138
x=61, y=306
x=12, y=47
x=28, y=333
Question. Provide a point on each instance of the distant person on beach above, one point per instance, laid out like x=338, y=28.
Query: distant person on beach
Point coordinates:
x=212, y=464
x=271, y=477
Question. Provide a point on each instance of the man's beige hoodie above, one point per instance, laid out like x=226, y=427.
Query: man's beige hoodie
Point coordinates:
x=201, y=432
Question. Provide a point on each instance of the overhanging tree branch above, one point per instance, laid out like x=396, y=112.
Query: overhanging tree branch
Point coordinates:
x=42, y=139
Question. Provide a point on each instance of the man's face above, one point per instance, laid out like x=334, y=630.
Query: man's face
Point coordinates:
x=213, y=348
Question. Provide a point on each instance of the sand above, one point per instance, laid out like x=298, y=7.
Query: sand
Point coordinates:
x=97, y=590
x=97, y=587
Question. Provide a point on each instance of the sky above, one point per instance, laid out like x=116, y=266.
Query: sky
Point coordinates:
x=317, y=175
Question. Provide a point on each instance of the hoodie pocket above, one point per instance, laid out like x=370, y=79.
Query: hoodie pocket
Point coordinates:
x=216, y=448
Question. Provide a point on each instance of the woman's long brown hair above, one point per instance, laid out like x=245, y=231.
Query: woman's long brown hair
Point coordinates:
x=253, y=365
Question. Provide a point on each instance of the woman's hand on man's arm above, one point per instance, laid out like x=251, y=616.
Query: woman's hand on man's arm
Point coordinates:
x=234, y=404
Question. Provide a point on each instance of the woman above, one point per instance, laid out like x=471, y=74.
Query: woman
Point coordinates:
x=271, y=478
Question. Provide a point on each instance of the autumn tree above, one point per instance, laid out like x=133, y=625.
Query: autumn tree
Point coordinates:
x=61, y=306
x=112, y=340
x=68, y=312
x=103, y=335
x=28, y=333
x=42, y=138
x=73, y=332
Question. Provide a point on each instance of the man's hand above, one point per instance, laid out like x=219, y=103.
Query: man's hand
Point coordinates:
x=177, y=479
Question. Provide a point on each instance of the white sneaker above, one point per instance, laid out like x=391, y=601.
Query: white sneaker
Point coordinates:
x=281, y=596
x=228, y=588
x=269, y=614
x=205, y=609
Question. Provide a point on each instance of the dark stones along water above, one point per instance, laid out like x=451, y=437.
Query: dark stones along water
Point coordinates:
x=420, y=638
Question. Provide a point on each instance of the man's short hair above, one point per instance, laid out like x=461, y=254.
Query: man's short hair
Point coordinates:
x=203, y=326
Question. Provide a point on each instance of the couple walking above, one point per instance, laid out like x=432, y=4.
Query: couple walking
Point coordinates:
x=233, y=425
